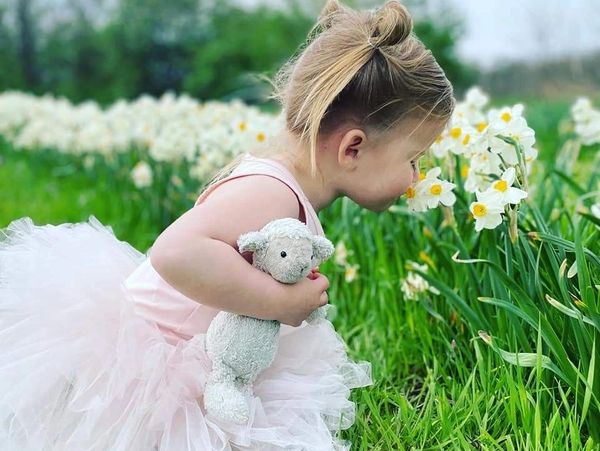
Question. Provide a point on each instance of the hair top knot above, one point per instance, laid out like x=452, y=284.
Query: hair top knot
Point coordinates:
x=392, y=24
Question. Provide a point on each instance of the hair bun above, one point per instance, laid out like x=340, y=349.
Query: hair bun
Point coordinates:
x=392, y=24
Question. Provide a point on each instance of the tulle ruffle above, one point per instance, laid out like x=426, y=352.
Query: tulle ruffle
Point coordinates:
x=80, y=370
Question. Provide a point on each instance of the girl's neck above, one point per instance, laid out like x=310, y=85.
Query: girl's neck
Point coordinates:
x=297, y=160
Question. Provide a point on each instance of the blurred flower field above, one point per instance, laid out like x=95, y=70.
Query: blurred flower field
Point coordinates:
x=476, y=297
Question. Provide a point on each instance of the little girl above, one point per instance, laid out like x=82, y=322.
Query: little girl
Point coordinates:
x=101, y=346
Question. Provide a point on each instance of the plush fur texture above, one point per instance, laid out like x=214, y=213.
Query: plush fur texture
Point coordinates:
x=239, y=346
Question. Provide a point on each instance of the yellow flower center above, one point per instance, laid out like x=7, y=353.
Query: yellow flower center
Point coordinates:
x=481, y=126
x=501, y=185
x=421, y=176
x=464, y=171
x=438, y=139
x=260, y=137
x=479, y=210
x=506, y=117
x=242, y=126
x=435, y=189
x=455, y=132
x=466, y=139
x=410, y=192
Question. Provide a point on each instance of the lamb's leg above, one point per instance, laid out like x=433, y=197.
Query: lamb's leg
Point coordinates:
x=223, y=397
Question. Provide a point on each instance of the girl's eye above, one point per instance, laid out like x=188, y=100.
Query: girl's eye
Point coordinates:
x=283, y=254
x=413, y=163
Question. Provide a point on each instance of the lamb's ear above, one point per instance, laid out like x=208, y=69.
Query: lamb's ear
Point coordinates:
x=323, y=249
x=252, y=242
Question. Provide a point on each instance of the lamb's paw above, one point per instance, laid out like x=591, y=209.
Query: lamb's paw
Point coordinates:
x=226, y=402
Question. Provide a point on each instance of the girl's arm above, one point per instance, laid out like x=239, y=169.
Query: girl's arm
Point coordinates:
x=198, y=255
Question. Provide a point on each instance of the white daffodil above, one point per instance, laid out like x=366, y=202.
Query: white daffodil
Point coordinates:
x=439, y=148
x=521, y=133
x=503, y=189
x=430, y=191
x=88, y=162
x=504, y=117
x=476, y=98
x=483, y=165
x=413, y=283
x=509, y=122
x=595, y=209
x=341, y=254
x=142, y=174
x=415, y=202
x=456, y=138
x=470, y=109
x=351, y=273
x=487, y=211
x=587, y=121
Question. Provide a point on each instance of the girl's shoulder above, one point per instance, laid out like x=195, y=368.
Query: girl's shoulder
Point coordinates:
x=274, y=183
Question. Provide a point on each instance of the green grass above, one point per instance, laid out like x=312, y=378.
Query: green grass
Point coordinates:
x=438, y=385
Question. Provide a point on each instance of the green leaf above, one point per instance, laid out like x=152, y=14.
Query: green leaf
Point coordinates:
x=590, y=383
x=570, y=312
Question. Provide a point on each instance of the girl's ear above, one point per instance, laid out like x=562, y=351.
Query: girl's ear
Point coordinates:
x=323, y=249
x=252, y=242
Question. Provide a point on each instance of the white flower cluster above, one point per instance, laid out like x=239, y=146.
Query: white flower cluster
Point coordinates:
x=170, y=128
x=413, y=284
x=473, y=134
x=587, y=121
x=498, y=148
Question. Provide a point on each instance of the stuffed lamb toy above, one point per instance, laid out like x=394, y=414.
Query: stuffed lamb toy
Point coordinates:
x=240, y=346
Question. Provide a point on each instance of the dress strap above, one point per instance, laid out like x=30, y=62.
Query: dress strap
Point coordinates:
x=251, y=165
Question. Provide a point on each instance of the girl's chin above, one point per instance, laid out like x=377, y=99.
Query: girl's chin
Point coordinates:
x=381, y=207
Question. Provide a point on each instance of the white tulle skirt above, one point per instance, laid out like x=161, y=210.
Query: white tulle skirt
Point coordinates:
x=80, y=370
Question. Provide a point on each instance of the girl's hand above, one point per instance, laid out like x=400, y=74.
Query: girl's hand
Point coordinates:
x=314, y=273
x=302, y=298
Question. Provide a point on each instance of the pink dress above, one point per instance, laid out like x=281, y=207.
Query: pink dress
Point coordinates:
x=98, y=352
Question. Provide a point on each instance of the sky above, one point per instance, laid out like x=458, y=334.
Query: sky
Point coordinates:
x=515, y=30
x=527, y=30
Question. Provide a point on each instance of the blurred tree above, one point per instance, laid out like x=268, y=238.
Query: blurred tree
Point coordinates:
x=238, y=42
x=153, y=39
x=27, y=43
x=11, y=76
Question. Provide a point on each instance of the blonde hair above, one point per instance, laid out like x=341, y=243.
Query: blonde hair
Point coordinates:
x=364, y=66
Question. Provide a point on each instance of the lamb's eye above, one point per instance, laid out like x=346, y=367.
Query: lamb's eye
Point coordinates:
x=283, y=254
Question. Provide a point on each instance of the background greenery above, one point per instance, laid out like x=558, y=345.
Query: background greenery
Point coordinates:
x=437, y=383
